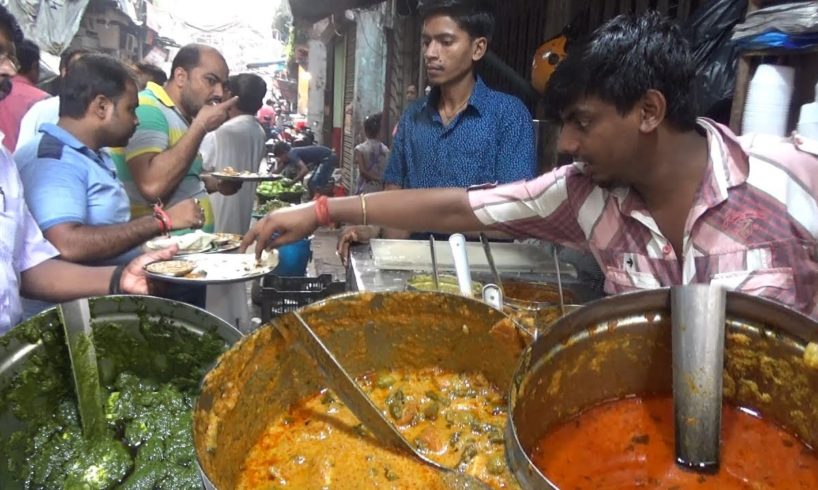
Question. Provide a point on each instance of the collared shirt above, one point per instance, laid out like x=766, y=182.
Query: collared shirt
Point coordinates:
x=14, y=106
x=753, y=226
x=161, y=126
x=67, y=182
x=22, y=245
x=491, y=140
x=42, y=112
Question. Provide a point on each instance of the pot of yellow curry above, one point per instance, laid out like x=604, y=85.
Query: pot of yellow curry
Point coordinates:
x=437, y=365
x=591, y=406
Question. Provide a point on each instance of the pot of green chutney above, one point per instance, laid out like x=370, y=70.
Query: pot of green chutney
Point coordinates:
x=152, y=355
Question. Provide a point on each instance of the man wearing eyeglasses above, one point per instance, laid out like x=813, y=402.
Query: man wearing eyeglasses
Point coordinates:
x=16, y=98
x=28, y=262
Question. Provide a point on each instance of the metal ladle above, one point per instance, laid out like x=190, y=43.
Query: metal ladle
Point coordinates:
x=435, y=274
x=76, y=321
x=698, y=317
x=461, y=264
x=559, y=278
x=367, y=413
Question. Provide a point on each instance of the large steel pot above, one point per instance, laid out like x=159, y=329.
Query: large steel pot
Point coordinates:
x=621, y=345
x=22, y=345
x=259, y=378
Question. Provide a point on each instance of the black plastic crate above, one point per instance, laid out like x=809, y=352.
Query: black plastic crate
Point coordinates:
x=283, y=294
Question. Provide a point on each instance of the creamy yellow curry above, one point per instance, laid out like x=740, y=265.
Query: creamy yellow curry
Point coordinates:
x=456, y=419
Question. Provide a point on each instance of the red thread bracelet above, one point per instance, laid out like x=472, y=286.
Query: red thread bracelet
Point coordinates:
x=322, y=211
x=160, y=214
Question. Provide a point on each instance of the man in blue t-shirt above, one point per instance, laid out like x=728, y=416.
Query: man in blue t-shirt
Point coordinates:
x=295, y=163
x=71, y=185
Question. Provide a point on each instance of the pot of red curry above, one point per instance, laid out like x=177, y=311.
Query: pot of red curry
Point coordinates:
x=438, y=365
x=591, y=407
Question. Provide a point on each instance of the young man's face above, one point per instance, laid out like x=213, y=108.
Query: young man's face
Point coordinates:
x=595, y=133
x=449, y=51
x=122, y=121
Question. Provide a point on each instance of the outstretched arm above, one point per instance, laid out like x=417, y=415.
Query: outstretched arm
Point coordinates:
x=443, y=210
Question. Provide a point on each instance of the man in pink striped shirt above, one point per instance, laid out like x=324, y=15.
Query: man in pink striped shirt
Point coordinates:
x=658, y=196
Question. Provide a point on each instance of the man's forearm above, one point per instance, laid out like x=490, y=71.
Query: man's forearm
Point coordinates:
x=394, y=233
x=441, y=210
x=56, y=280
x=161, y=175
x=81, y=243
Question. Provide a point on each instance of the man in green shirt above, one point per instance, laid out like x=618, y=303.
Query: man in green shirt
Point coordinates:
x=161, y=162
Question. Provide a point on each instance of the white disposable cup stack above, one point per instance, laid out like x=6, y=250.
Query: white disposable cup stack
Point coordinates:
x=808, y=119
x=768, y=100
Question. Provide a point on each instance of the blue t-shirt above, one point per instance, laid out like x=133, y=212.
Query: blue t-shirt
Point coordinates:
x=491, y=140
x=64, y=181
x=67, y=182
x=309, y=154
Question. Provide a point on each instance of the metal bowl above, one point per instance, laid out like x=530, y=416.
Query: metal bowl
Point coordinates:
x=621, y=345
x=264, y=374
x=19, y=346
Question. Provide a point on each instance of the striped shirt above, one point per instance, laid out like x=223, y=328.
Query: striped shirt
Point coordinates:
x=161, y=126
x=752, y=228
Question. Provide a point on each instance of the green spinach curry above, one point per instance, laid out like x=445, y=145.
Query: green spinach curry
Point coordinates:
x=150, y=382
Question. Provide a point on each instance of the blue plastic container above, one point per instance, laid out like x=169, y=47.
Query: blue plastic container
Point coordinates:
x=293, y=258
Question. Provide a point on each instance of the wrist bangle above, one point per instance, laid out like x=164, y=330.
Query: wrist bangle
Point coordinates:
x=322, y=211
x=363, y=208
x=116, y=278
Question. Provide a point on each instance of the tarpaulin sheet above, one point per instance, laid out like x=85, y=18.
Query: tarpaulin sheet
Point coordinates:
x=51, y=24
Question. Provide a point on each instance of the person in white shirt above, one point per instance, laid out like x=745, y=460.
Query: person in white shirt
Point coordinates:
x=46, y=110
x=238, y=143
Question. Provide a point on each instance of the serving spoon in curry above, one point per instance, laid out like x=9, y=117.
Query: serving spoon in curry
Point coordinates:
x=367, y=413
x=76, y=321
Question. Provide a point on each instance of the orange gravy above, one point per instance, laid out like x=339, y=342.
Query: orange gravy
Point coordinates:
x=629, y=443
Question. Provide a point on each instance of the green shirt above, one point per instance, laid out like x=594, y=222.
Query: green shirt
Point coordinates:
x=161, y=126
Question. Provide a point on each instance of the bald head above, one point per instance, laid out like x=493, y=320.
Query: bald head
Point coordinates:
x=190, y=56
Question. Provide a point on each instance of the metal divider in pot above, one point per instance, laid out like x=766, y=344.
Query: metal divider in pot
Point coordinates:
x=621, y=346
x=259, y=379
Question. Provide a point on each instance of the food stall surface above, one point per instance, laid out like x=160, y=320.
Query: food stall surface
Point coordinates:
x=387, y=265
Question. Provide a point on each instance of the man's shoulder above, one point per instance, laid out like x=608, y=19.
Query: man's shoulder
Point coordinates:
x=503, y=102
x=28, y=92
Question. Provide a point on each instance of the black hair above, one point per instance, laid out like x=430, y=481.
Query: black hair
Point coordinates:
x=28, y=55
x=90, y=76
x=269, y=101
x=621, y=61
x=250, y=88
x=281, y=148
x=372, y=125
x=156, y=74
x=69, y=56
x=476, y=17
x=9, y=24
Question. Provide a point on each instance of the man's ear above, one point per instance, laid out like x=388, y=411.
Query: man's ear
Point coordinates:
x=101, y=107
x=179, y=76
x=479, y=47
x=652, y=110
